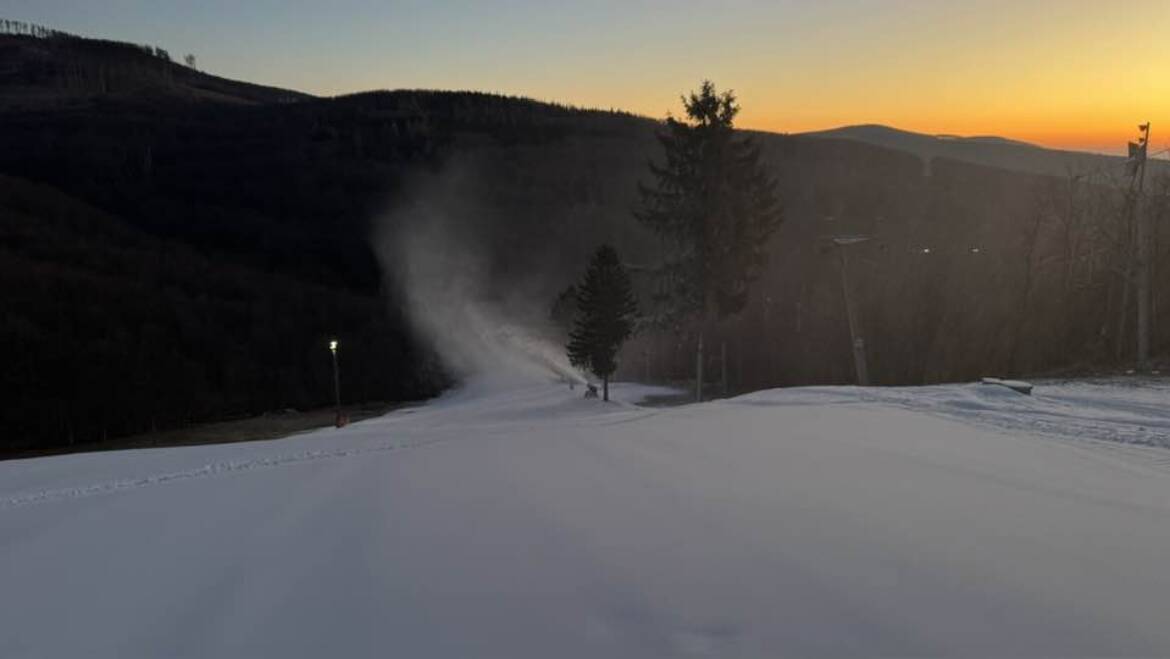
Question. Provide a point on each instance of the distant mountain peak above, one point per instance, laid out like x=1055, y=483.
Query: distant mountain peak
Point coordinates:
x=874, y=130
x=988, y=150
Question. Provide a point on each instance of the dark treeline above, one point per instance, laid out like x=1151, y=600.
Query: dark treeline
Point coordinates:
x=55, y=70
x=108, y=331
x=969, y=271
x=33, y=30
x=958, y=270
x=175, y=253
x=108, y=47
x=170, y=259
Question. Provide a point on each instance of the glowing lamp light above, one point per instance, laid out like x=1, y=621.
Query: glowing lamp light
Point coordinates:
x=333, y=345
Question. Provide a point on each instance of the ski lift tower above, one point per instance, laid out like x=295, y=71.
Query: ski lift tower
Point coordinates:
x=855, y=338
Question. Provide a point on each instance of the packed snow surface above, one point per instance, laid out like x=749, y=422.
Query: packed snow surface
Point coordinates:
x=527, y=522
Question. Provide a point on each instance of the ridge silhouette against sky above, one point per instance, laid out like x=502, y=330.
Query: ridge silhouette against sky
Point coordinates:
x=1065, y=74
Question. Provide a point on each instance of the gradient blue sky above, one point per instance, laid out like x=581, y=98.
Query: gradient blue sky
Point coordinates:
x=1062, y=73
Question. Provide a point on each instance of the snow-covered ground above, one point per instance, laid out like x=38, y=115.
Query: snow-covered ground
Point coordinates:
x=527, y=522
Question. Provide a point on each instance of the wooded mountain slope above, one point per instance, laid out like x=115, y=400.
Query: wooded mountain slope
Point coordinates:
x=171, y=257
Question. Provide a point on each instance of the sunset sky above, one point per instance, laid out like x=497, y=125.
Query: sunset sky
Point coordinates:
x=1059, y=73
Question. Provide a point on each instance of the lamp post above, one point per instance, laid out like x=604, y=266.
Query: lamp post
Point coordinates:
x=336, y=384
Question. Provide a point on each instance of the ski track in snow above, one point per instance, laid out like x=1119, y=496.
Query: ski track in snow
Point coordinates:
x=627, y=413
x=206, y=471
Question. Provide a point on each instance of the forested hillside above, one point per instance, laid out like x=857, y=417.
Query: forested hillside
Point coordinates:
x=110, y=331
x=172, y=256
x=45, y=68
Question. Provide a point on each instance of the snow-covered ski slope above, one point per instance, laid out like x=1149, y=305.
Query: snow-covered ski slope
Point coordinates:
x=527, y=522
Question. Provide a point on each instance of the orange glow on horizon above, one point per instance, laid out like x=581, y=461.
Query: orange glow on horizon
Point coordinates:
x=1105, y=137
x=1054, y=73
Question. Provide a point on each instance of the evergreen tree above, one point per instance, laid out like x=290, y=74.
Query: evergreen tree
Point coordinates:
x=713, y=206
x=605, y=316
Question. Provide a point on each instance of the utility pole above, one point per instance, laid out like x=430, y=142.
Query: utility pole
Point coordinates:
x=855, y=337
x=340, y=421
x=1138, y=166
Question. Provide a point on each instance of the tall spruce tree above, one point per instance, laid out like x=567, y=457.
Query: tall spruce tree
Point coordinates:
x=606, y=311
x=714, y=207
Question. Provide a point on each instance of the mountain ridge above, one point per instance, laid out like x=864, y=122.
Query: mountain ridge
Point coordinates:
x=38, y=72
x=991, y=150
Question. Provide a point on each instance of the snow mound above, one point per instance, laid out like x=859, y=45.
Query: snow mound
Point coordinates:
x=1093, y=411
